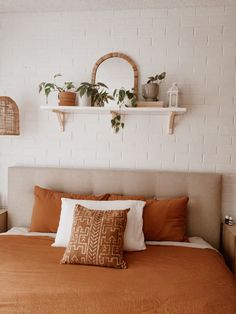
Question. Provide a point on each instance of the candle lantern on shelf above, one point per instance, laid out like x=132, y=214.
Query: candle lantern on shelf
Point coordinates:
x=173, y=95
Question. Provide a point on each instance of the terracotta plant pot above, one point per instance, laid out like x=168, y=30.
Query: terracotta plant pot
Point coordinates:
x=150, y=91
x=67, y=98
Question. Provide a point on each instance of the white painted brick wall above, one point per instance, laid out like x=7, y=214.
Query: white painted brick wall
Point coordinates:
x=197, y=48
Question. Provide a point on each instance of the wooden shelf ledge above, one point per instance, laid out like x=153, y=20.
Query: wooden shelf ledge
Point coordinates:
x=170, y=112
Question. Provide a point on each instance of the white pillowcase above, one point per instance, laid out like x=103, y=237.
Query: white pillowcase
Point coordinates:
x=133, y=237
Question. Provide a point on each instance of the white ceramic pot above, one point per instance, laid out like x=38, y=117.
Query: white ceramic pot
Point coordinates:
x=84, y=101
x=127, y=102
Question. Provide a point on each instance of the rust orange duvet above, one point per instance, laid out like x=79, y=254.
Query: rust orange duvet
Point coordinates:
x=161, y=279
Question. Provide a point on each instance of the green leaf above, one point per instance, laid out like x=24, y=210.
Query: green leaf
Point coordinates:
x=51, y=85
x=56, y=75
x=47, y=92
x=162, y=76
x=85, y=83
x=89, y=92
x=133, y=102
x=78, y=89
x=68, y=85
x=122, y=94
x=82, y=91
x=129, y=95
x=151, y=79
x=102, y=84
x=114, y=93
x=41, y=86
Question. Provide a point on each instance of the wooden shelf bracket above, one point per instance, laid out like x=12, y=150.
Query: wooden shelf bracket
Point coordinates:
x=61, y=119
x=171, y=122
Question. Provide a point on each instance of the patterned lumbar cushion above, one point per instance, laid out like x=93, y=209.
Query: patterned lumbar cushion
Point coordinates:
x=97, y=238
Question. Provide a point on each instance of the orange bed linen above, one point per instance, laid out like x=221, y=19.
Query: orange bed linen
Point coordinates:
x=162, y=279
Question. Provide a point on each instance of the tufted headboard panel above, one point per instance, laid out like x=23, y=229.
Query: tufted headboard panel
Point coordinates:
x=203, y=189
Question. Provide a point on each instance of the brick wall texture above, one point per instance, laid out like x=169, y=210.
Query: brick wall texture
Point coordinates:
x=195, y=46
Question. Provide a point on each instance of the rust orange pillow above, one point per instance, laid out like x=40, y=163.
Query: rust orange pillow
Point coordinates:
x=118, y=197
x=47, y=208
x=97, y=238
x=163, y=220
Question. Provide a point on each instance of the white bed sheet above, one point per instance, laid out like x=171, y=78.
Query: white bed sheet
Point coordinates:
x=25, y=232
x=194, y=242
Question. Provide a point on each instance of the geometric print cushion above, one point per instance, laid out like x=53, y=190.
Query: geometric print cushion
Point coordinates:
x=97, y=238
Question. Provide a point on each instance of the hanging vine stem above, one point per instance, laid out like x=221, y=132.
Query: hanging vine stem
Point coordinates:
x=116, y=122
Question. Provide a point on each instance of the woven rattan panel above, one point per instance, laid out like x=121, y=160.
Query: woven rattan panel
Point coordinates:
x=9, y=117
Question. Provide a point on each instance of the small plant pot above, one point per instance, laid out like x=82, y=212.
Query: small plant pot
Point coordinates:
x=150, y=91
x=127, y=102
x=67, y=98
x=84, y=101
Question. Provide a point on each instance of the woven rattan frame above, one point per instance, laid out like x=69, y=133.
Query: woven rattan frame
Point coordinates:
x=9, y=117
x=117, y=55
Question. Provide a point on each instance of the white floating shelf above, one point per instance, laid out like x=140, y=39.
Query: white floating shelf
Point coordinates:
x=62, y=110
x=107, y=110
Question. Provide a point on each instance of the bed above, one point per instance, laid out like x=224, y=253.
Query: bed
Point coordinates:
x=164, y=278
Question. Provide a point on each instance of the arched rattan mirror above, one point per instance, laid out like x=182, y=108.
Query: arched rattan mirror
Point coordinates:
x=120, y=64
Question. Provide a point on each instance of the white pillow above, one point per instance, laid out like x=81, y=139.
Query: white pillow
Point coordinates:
x=133, y=238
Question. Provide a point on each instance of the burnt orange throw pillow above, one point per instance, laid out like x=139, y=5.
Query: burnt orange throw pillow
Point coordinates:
x=163, y=220
x=47, y=208
x=118, y=197
x=97, y=238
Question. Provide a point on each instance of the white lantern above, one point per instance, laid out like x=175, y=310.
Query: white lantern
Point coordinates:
x=173, y=94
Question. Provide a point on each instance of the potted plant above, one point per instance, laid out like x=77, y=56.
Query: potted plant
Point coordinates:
x=66, y=93
x=150, y=90
x=98, y=93
x=85, y=90
x=125, y=97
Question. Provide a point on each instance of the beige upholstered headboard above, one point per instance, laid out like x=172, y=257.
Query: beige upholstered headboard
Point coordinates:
x=203, y=189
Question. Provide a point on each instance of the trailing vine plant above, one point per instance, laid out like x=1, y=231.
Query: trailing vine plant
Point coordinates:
x=121, y=96
x=116, y=122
